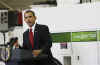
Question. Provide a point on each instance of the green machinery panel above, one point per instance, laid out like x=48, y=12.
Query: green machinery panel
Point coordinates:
x=84, y=36
x=99, y=35
x=61, y=37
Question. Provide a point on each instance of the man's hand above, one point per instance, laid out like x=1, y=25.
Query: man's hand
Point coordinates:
x=36, y=52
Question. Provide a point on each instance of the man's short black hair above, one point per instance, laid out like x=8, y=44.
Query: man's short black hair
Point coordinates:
x=30, y=11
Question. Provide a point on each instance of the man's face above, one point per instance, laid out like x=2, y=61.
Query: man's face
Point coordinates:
x=29, y=19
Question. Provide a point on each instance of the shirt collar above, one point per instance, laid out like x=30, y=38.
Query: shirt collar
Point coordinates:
x=33, y=27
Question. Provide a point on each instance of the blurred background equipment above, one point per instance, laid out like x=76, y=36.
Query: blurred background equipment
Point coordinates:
x=3, y=20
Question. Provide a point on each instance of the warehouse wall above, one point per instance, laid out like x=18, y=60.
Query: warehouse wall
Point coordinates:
x=72, y=18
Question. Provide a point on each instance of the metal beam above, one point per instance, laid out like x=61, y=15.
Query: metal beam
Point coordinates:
x=6, y=5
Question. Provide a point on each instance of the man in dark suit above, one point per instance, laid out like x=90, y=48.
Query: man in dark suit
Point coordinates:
x=37, y=38
x=14, y=52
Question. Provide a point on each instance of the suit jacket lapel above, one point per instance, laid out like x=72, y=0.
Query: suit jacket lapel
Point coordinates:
x=36, y=37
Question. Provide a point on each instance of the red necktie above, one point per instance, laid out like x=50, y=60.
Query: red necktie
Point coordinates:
x=31, y=37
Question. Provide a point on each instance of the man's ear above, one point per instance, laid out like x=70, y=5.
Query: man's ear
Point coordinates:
x=35, y=17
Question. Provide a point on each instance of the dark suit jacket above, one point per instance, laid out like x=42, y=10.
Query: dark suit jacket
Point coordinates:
x=42, y=39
